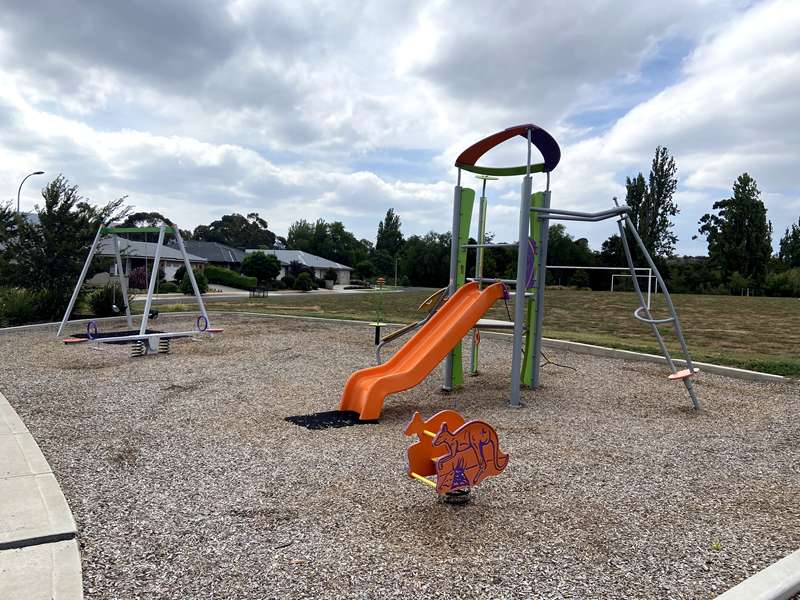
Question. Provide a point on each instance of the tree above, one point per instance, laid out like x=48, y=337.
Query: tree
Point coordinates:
x=264, y=267
x=612, y=253
x=144, y=219
x=8, y=229
x=426, y=259
x=740, y=236
x=789, y=253
x=199, y=279
x=365, y=269
x=328, y=240
x=48, y=253
x=652, y=204
x=304, y=282
x=238, y=231
x=390, y=238
x=580, y=279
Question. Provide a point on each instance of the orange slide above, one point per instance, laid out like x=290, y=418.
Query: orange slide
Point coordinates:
x=366, y=389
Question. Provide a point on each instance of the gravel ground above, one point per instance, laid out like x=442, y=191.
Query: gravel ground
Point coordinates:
x=186, y=482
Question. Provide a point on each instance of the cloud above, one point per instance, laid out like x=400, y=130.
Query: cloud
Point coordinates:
x=198, y=109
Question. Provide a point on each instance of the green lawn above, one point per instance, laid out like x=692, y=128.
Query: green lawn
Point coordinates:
x=756, y=333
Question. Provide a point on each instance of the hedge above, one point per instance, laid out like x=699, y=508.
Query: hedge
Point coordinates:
x=224, y=276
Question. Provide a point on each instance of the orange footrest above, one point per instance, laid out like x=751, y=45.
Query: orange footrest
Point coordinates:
x=75, y=340
x=684, y=374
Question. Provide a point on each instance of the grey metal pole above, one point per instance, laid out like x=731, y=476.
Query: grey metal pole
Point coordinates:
x=451, y=288
x=153, y=278
x=540, y=287
x=19, y=189
x=123, y=283
x=676, y=322
x=190, y=273
x=77, y=290
x=661, y=344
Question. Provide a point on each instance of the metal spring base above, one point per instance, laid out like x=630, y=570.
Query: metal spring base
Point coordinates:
x=163, y=346
x=457, y=497
x=138, y=349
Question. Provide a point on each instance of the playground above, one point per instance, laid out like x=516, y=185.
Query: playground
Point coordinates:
x=200, y=464
x=186, y=480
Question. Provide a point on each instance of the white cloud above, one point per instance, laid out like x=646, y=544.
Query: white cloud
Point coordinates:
x=255, y=106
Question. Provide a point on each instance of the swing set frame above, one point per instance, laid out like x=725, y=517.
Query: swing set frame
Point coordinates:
x=151, y=338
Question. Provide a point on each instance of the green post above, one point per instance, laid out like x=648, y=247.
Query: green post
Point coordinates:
x=537, y=201
x=465, y=214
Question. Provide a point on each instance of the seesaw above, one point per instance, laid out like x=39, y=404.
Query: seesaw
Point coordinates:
x=460, y=454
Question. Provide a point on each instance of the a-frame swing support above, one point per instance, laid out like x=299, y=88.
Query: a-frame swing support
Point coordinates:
x=162, y=230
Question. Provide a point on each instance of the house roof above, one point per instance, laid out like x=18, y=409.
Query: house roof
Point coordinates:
x=214, y=251
x=304, y=258
x=136, y=249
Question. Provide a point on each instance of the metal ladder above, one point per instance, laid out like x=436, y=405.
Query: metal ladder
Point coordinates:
x=643, y=313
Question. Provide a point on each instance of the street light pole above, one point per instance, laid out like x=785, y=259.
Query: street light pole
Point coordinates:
x=395, y=272
x=23, y=181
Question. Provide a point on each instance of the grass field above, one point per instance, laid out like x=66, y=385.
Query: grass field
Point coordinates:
x=756, y=333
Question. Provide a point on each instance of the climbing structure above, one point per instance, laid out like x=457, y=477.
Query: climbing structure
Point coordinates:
x=441, y=332
x=535, y=215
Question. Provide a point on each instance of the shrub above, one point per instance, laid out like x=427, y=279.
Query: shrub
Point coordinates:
x=167, y=287
x=304, y=283
x=231, y=278
x=202, y=282
x=404, y=282
x=277, y=284
x=288, y=280
x=104, y=299
x=139, y=278
x=784, y=284
x=580, y=279
x=318, y=283
x=51, y=304
x=18, y=306
x=331, y=275
x=178, y=277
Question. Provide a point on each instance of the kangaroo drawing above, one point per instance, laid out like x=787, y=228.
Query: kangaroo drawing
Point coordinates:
x=472, y=446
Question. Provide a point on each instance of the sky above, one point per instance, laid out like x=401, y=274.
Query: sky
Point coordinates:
x=341, y=110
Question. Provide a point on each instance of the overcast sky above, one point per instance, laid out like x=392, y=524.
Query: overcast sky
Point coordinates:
x=341, y=110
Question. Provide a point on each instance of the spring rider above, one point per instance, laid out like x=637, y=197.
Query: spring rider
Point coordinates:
x=460, y=454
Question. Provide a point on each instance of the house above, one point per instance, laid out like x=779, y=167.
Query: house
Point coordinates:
x=215, y=253
x=318, y=264
x=136, y=254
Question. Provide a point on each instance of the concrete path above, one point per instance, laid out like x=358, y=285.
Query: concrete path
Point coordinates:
x=39, y=555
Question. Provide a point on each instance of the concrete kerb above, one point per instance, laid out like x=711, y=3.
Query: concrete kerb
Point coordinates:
x=779, y=581
x=551, y=343
x=39, y=556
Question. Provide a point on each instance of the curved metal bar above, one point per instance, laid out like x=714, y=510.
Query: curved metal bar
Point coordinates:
x=646, y=320
x=611, y=212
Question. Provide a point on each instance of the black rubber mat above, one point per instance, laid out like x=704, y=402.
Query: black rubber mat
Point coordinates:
x=328, y=419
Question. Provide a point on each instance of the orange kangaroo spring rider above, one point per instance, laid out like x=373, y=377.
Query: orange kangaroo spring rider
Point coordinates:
x=460, y=454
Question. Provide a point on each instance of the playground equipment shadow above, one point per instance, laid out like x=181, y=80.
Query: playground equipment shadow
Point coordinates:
x=186, y=481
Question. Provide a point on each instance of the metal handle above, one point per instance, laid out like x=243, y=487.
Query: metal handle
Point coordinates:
x=654, y=321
